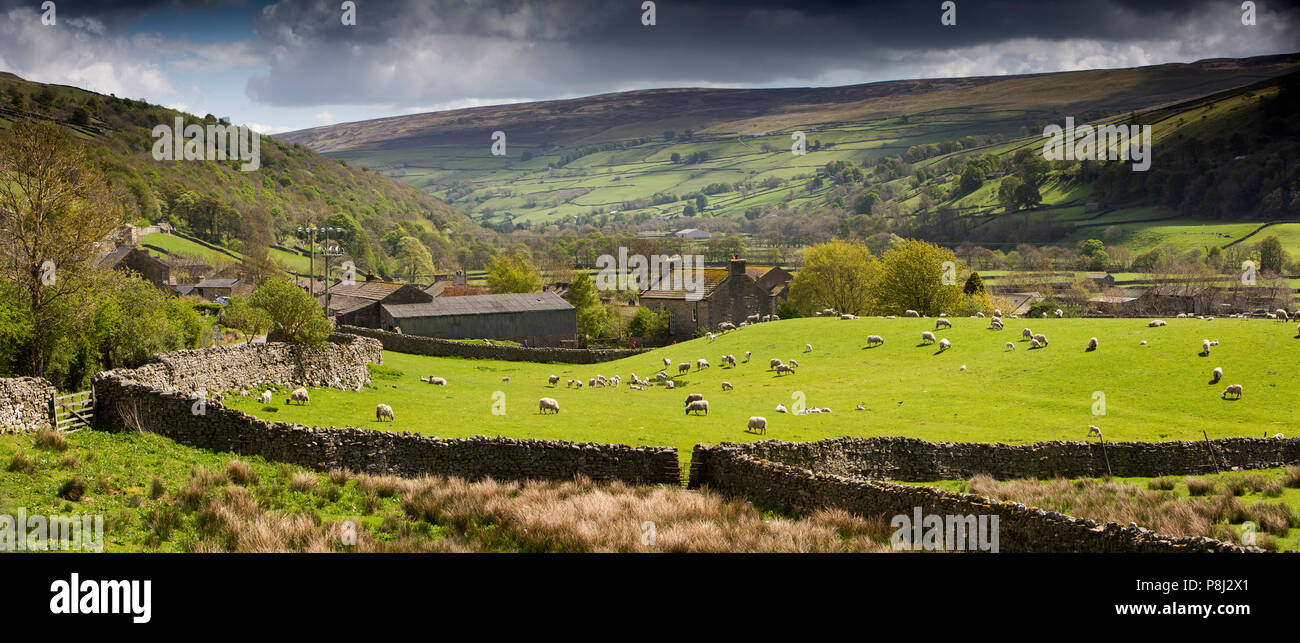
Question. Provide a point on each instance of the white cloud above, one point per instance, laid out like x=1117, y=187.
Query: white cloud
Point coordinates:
x=269, y=130
x=323, y=118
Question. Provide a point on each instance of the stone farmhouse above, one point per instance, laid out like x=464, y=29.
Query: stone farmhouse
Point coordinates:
x=729, y=295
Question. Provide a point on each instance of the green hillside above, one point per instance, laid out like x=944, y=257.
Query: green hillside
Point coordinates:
x=216, y=201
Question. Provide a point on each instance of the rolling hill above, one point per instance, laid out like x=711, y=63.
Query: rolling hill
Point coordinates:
x=629, y=157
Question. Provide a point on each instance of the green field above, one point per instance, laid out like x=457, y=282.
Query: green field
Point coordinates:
x=184, y=247
x=1159, y=391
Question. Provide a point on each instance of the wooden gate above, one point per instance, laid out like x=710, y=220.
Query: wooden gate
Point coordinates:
x=74, y=410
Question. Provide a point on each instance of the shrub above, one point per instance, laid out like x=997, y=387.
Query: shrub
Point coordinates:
x=73, y=490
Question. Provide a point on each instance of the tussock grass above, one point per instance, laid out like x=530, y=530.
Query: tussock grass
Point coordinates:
x=303, y=482
x=1292, y=479
x=51, y=440
x=240, y=473
x=73, y=489
x=22, y=463
x=1199, y=486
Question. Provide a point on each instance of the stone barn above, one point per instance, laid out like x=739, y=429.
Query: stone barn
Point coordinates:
x=539, y=318
x=363, y=304
x=730, y=295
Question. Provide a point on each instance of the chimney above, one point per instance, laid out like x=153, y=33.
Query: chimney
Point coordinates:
x=460, y=277
x=736, y=266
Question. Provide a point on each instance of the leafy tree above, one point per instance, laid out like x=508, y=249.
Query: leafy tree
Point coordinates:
x=1099, y=260
x=971, y=179
x=241, y=314
x=1091, y=247
x=1027, y=196
x=786, y=310
x=513, y=273
x=294, y=315
x=413, y=258
x=974, y=284
x=676, y=157
x=835, y=275
x=649, y=323
x=1271, y=255
x=911, y=277
x=582, y=292
x=55, y=208
x=1007, y=190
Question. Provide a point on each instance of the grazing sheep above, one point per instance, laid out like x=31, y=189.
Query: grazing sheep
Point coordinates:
x=684, y=367
x=1059, y=313
x=614, y=381
x=860, y=408
x=578, y=384
x=875, y=339
x=670, y=384
x=701, y=364
x=943, y=314
x=437, y=381
x=667, y=362
x=726, y=326
x=661, y=375
x=726, y=386
x=794, y=363
x=753, y=319
x=747, y=353
x=635, y=387
x=693, y=397
x=1042, y=339
x=773, y=363
x=944, y=344
x=1142, y=343
x=996, y=324
x=1283, y=314
x=266, y=397
x=548, y=404
x=978, y=313
x=785, y=368
x=780, y=408
x=1155, y=323
x=505, y=380
x=1233, y=389
x=1033, y=343
x=848, y=316
x=1205, y=347
x=1216, y=375
x=927, y=336
x=729, y=360
x=710, y=335
x=591, y=383
x=1093, y=431
x=942, y=323
x=1092, y=344
x=890, y=317
x=384, y=411
x=1027, y=334
x=697, y=406
x=1278, y=436
x=758, y=424
x=776, y=317
x=300, y=396
x=554, y=380
x=807, y=348
x=997, y=312
x=963, y=367
x=570, y=384
x=826, y=409
x=1011, y=346
x=911, y=313
x=1044, y=315
x=1214, y=342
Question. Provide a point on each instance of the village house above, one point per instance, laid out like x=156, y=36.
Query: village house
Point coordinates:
x=729, y=294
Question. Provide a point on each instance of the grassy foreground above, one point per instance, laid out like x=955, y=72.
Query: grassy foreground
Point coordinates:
x=1157, y=391
x=158, y=495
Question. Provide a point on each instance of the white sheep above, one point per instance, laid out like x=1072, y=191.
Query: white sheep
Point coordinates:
x=1011, y=346
x=1233, y=389
x=773, y=363
x=701, y=364
x=1042, y=339
x=615, y=381
x=726, y=386
x=697, y=406
x=911, y=313
x=875, y=339
x=439, y=381
x=505, y=380
x=1155, y=323
x=807, y=348
x=1033, y=343
x=300, y=396
x=1278, y=436
x=860, y=408
x=927, y=337
x=1216, y=375
x=693, y=397
x=670, y=384
x=1059, y=313
x=747, y=354
x=578, y=384
x=1283, y=314
x=780, y=408
x=1205, y=346
x=758, y=424
x=944, y=344
x=848, y=316
x=996, y=324
x=554, y=380
x=384, y=411
x=266, y=397
x=548, y=404
x=1093, y=431
x=942, y=323
x=710, y=335
x=754, y=319
x=794, y=363
x=1092, y=344
x=997, y=312
x=684, y=367
x=784, y=368
x=726, y=326
x=667, y=362
x=1027, y=334
x=570, y=384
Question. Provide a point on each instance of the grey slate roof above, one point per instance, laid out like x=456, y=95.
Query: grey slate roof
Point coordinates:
x=479, y=305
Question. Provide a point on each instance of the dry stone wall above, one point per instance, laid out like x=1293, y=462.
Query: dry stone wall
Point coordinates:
x=25, y=404
x=161, y=397
x=910, y=459
x=1020, y=528
x=417, y=345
